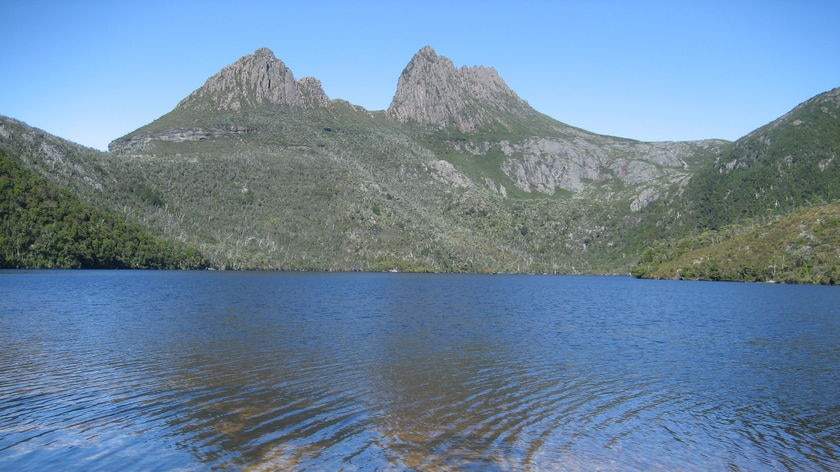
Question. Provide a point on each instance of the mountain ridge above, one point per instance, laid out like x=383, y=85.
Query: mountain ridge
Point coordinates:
x=430, y=91
x=472, y=105
x=459, y=174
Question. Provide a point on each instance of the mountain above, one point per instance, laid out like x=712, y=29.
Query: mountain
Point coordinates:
x=255, y=80
x=791, y=162
x=473, y=117
x=258, y=169
x=466, y=163
x=767, y=190
x=432, y=91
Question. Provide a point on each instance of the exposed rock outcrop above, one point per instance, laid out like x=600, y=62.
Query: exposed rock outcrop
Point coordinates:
x=138, y=142
x=253, y=81
x=432, y=91
x=257, y=79
x=312, y=93
x=573, y=163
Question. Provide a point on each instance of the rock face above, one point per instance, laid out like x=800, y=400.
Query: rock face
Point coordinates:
x=533, y=152
x=432, y=91
x=254, y=80
x=312, y=93
x=544, y=165
x=573, y=163
x=542, y=154
x=138, y=142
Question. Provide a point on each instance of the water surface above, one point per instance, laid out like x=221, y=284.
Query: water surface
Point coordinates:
x=130, y=370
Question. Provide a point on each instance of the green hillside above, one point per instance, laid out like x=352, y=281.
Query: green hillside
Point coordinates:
x=468, y=178
x=42, y=226
x=803, y=247
x=459, y=174
x=788, y=164
x=726, y=223
x=345, y=189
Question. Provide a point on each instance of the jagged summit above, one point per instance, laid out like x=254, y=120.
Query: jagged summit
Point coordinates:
x=256, y=79
x=432, y=90
x=253, y=81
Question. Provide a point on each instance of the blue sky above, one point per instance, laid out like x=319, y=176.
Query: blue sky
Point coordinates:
x=651, y=70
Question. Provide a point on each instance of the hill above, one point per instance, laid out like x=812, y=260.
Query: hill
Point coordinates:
x=783, y=166
x=259, y=169
x=803, y=247
x=42, y=226
x=787, y=168
x=458, y=174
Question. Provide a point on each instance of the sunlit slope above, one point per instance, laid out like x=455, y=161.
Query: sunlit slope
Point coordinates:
x=259, y=169
x=291, y=179
x=42, y=226
x=803, y=247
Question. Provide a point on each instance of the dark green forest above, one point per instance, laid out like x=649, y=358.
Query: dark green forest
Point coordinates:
x=42, y=226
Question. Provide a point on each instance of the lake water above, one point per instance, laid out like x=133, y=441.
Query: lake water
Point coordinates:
x=132, y=370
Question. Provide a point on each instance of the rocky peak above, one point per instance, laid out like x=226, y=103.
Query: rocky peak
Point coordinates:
x=256, y=79
x=432, y=90
x=312, y=93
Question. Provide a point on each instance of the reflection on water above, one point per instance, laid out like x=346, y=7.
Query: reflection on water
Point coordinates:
x=268, y=371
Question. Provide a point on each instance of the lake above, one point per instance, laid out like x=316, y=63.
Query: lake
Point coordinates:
x=258, y=371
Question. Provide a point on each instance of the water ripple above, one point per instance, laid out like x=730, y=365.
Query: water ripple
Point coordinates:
x=321, y=372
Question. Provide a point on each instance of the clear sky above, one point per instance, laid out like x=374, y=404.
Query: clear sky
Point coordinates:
x=652, y=70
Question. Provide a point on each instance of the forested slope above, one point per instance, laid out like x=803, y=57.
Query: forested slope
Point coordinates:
x=42, y=226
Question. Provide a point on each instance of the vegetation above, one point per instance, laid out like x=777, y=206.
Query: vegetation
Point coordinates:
x=786, y=165
x=803, y=247
x=342, y=188
x=346, y=189
x=42, y=226
x=762, y=211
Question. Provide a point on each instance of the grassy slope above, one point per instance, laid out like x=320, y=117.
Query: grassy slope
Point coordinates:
x=346, y=189
x=803, y=247
x=339, y=189
x=788, y=164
